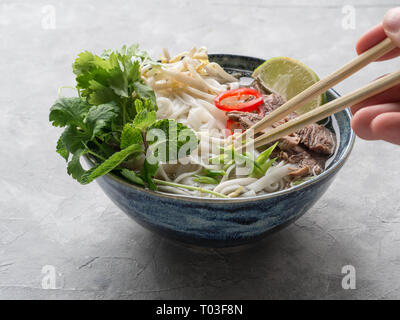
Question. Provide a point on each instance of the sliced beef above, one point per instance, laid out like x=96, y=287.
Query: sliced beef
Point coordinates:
x=317, y=138
x=289, y=142
x=302, y=158
x=245, y=119
x=295, y=172
x=272, y=102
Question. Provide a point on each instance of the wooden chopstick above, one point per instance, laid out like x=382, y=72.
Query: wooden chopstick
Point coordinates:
x=326, y=110
x=323, y=85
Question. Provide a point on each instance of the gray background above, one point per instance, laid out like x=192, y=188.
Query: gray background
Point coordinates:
x=46, y=218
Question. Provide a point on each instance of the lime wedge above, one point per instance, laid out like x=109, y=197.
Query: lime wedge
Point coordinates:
x=288, y=77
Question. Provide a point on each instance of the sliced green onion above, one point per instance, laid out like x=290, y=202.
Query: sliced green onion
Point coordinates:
x=267, y=165
x=214, y=173
x=247, y=157
x=218, y=159
x=263, y=157
x=263, y=162
x=300, y=181
x=205, y=179
x=183, y=186
x=226, y=167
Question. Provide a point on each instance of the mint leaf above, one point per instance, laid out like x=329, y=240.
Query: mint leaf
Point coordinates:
x=176, y=136
x=141, y=105
x=130, y=135
x=132, y=177
x=68, y=111
x=148, y=172
x=111, y=163
x=144, y=119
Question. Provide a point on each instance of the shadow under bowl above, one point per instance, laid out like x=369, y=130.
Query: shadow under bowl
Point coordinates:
x=228, y=222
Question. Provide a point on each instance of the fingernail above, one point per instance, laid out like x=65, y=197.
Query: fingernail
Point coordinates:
x=391, y=21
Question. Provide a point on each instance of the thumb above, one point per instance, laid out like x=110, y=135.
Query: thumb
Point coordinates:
x=391, y=25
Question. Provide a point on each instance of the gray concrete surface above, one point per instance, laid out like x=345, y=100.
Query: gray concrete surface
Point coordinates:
x=50, y=223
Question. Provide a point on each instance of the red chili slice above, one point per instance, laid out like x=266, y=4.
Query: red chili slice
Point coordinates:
x=231, y=126
x=242, y=99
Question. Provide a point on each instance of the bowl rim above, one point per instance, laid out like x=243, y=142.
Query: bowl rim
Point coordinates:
x=184, y=198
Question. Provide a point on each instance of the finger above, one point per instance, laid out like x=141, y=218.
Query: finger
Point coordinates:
x=364, y=126
x=373, y=37
x=390, y=95
x=391, y=25
x=386, y=126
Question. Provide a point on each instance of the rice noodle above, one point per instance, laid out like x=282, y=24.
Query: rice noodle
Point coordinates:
x=228, y=172
x=169, y=189
x=236, y=193
x=249, y=193
x=187, y=174
x=273, y=175
x=162, y=172
x=197, y=160
x=230, y=189
x=240, y=182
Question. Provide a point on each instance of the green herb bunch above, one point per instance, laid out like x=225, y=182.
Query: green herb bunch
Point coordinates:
x=111, y=118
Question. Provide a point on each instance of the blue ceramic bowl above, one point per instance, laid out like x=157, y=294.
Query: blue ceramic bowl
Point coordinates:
x=228, y=222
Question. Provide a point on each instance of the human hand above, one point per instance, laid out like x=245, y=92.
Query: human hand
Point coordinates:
x=378, y=118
